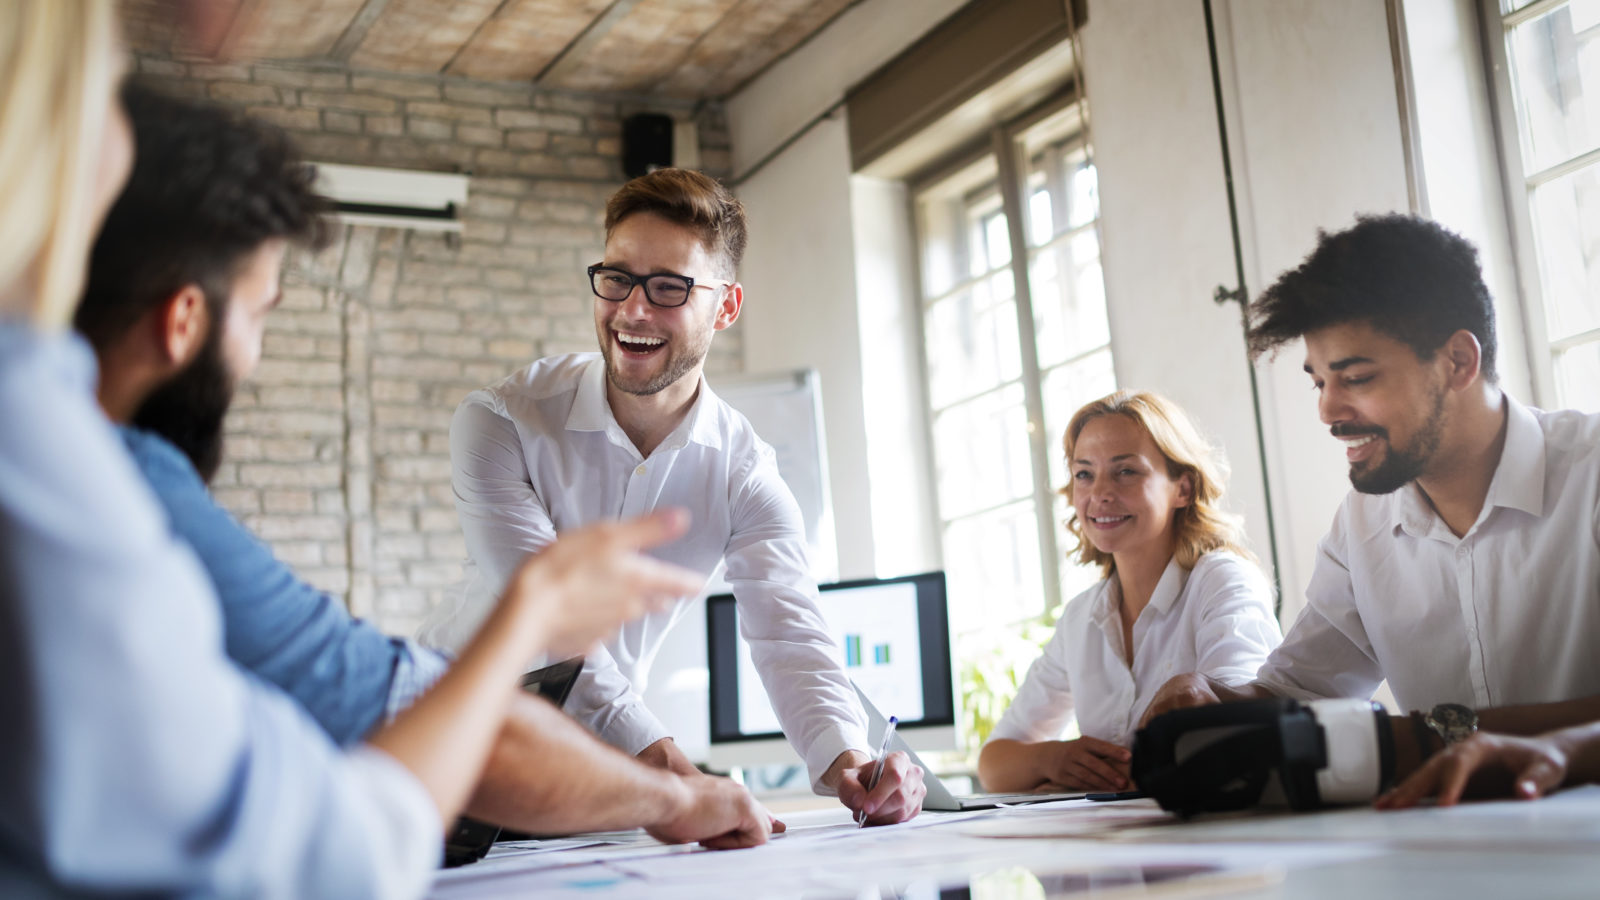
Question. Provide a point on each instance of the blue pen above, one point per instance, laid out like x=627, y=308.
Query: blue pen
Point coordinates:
x=877, y=771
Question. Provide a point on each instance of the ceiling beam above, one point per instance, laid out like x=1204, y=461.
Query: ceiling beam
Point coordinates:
x=356, y=32
x=572, y=55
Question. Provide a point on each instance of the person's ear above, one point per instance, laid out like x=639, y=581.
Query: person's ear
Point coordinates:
x=1462, y=357
x=185, y=323
x=728, y=306
x=1185, y=489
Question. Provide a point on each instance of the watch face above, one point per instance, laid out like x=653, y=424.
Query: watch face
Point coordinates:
x=1453, y=721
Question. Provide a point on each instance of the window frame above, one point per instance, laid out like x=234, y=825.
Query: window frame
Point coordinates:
x=1004, y=143
x=1517, y=193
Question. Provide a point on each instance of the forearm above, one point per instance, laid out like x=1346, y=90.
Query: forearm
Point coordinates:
x=666, y=754
x=1007, y=765
x=445, y=737
x=1539, y=718
x=1255, y=690
x=548, y=775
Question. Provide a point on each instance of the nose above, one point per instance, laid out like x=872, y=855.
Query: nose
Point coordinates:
x=636, y=305
x=1331, y=406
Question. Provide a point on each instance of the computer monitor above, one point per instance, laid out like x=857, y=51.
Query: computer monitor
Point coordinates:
x=894, y=638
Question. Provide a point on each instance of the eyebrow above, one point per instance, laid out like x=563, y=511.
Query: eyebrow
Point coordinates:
x=1340, y=365
x=1117, y=458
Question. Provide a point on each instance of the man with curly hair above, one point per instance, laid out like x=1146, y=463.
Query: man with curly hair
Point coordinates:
x=1464, y=568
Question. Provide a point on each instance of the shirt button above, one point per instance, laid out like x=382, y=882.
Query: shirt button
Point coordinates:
x=639, y=471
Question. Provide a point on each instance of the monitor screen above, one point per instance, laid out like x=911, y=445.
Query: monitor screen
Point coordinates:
x=893, y=637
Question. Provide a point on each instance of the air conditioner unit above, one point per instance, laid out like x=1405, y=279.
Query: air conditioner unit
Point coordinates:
x=394, y=198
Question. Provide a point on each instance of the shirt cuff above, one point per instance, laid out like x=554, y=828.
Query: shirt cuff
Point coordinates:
x=416, y=668
x=632, y=728
x=404, y=827
x=826, y=747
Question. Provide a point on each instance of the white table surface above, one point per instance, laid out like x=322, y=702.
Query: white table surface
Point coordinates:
x=1547, y=848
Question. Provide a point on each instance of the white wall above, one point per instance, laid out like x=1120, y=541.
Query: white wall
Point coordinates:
x=806, y=83
x=799, y=278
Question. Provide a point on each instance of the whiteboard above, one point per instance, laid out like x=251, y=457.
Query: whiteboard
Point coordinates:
x=786, y=411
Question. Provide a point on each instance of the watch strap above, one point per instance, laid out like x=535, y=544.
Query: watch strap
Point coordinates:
x=1424, y=735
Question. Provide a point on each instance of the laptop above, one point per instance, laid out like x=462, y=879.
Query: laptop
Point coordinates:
x=940, y=797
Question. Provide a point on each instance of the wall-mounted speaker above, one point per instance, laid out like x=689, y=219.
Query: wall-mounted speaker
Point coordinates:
x=646, y=143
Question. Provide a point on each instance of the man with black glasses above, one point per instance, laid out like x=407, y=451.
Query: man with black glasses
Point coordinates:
x=590, y=436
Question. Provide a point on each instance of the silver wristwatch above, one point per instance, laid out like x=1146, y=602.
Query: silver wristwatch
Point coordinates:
x=1452, y=722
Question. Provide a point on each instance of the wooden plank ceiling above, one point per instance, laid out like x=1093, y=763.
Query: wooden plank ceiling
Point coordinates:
x=682, y=49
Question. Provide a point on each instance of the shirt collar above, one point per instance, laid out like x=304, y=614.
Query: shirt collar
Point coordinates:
x=592, y=412
x=1517, y=483
x=1173, y=580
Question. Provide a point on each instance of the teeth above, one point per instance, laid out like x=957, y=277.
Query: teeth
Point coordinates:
x=639, y=340
x=1106, y=520
x=1361, y=441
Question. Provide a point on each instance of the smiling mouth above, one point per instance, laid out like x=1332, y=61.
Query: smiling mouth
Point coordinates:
x=1360, y=446
x=1105, y=522
x=638, y=346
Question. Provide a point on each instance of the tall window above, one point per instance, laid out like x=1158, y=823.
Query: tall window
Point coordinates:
x=1553, y=65
x=1016, y=339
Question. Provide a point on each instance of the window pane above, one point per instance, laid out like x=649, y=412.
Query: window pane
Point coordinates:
x=1065, y=389
x=1085, y=194
x=1566, y=223
x=982, y=453
x=1555, y=76
x=972, y=341
x=992, y=564
x=1039, y=220
x=1069, y=312
x=950, y=224
x=1578, y=378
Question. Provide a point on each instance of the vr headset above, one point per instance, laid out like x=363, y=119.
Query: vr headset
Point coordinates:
x=1265, y=753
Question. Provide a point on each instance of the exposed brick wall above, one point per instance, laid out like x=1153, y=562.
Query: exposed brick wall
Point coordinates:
x=338, y=449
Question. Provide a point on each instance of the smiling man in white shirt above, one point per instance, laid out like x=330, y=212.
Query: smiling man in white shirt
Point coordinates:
x=1465, y=566
x=589, y=436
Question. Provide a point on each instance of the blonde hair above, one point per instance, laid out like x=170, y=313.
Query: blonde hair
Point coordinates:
x=59, y=61
x=1200, y=527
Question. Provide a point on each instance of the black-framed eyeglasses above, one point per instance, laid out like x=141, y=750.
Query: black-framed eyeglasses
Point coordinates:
x=662, y=289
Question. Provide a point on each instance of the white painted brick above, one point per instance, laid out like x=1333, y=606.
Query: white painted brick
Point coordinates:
x=433, y=574
x=298, y=554
x=268, y=475
x=287, y=500
x=296, y=528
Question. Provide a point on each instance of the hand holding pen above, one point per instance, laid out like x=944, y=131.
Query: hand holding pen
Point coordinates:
x=877, y=768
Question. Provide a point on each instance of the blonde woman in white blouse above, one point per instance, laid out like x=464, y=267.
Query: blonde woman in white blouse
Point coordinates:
x=1180, y=594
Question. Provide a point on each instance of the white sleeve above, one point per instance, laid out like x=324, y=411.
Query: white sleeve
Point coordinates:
x=1235, y=629
x=790, y=644
x=1326, y=653
x=1043, y=706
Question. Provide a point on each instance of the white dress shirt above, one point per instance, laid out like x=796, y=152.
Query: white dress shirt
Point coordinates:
x=1216, y=619
x=1507, y=614
x=136, y=758
x=541, y=452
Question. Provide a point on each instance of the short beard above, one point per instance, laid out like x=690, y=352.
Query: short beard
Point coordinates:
x=678, y=365
x=1402, y=466
x=190, y=409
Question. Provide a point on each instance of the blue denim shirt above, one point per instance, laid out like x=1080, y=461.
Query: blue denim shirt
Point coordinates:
x=135, y=756
x=345, y=672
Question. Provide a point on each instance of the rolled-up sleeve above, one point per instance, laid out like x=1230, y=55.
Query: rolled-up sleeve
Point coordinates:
x=1235, y=630
x=790, y=644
